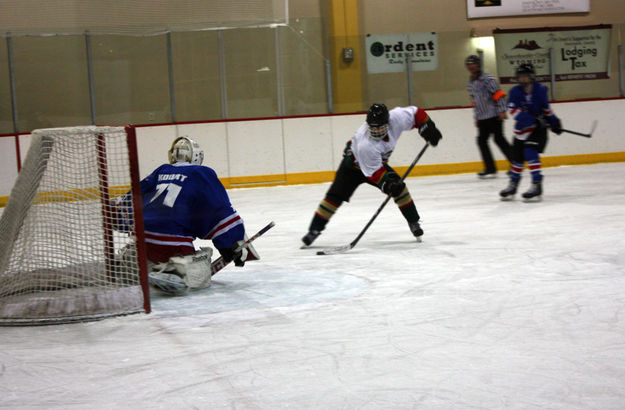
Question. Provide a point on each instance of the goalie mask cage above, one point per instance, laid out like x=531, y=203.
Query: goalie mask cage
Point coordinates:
x=71, y=235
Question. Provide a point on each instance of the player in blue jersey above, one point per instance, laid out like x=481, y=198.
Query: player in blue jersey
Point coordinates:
x=182, y=201
x=529, y=106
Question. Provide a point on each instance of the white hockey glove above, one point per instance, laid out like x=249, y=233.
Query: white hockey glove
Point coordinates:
x=239, y=253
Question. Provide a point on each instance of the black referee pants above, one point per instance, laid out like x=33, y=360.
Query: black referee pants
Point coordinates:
x=485, y=128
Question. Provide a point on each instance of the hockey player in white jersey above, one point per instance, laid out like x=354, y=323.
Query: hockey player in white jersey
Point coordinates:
x=365, y=160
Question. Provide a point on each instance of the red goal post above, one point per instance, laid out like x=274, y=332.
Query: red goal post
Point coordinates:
x=71, y=236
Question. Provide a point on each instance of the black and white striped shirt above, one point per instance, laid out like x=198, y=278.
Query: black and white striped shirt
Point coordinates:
x=487, y=98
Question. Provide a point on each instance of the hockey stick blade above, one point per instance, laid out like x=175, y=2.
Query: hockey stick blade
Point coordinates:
x=593, y=127
x=334, y=251
x=220, y=262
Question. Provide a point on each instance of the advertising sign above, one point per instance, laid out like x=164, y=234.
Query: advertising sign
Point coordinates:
x=494, y=8
x=581, y=53
x=387, y=53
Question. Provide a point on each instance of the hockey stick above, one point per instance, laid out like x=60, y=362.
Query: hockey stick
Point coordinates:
x=345, y=248
x=220, y=263
x=581, y=134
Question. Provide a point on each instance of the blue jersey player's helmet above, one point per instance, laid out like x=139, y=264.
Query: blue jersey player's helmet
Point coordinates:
x=184, y=149
x=528, y=69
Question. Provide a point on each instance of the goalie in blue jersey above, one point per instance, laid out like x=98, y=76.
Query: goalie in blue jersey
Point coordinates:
x=182, y=201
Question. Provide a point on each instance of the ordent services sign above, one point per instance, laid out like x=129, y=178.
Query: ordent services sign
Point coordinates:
x=387, y=53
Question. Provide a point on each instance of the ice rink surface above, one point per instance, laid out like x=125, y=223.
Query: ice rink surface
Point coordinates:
x=503, y=305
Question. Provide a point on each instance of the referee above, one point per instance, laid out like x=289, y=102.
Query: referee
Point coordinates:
x=489, y=104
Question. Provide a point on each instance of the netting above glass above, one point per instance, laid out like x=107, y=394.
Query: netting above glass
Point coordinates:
x=132, y=17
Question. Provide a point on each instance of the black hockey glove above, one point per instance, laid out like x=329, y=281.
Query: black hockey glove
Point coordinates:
x=237, y=253
x=556, y=126
x=540, y=122
x=393, y=185
x=430, y=133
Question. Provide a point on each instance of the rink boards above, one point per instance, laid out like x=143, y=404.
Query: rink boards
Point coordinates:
x=299, y=150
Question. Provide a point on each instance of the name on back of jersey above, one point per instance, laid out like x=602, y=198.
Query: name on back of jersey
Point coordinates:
x=172, y=177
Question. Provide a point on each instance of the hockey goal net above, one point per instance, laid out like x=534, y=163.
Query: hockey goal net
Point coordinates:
x=68, y=250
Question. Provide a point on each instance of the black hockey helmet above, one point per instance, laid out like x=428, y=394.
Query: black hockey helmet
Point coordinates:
x=377, y=119
x=526, y=68
x=473, y=59
x=377, y=115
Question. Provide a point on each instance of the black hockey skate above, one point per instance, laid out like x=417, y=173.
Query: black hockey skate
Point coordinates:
x=534, y=193
x=309, y=238
x=487, y=174
x=416, y=230
x=508, y=193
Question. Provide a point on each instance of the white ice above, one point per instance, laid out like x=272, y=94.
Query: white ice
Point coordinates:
x=503, y=305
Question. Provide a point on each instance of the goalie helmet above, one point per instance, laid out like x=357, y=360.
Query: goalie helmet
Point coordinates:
x=184, y=149
x=377, y=119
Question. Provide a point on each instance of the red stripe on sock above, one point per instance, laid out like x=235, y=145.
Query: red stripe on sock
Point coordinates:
x=408, y=204
x=321, y=216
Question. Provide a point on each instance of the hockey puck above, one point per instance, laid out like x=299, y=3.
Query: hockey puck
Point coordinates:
x=320, y=253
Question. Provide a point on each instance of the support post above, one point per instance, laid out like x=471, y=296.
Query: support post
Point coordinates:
x=329, y=93
x=552, y=72
x=480, y=54
x=170, y=68
x=222, y=75
x=279, y=79
x=409, y=78
x=621, y=71
x=12, y=83
x=90, y=78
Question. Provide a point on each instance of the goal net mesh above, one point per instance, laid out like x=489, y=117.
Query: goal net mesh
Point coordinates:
x=67, y=252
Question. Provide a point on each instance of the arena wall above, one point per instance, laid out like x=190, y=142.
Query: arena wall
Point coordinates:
x=261, y=152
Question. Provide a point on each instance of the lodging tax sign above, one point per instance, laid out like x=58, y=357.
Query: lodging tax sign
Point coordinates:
x=388, y=53
x=581, y=53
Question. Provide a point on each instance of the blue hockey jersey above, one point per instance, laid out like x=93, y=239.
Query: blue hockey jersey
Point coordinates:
x=527, y=108
x=182, y=202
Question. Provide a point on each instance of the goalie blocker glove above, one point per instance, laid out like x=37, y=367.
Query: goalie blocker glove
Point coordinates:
x=238, y=253
x=430, y=133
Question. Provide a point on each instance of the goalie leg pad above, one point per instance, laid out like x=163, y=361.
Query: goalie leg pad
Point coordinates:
x=182, y=273
x=168, y=282
x=195, y=269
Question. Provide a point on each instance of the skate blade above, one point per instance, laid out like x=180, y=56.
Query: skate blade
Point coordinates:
x=489, y=176
x=507, y=198
x=538, y=198
x=419, y=239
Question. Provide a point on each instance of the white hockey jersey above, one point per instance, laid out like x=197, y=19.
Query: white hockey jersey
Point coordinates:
x=370, y=155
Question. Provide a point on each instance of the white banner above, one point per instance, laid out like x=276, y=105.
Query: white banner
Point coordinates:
x=494, y=8
x=387, y=53
x=581, y=53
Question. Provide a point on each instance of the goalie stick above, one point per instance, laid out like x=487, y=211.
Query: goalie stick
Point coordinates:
x=220, y=263
x=345, y=248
